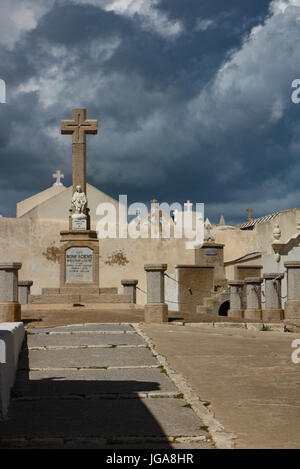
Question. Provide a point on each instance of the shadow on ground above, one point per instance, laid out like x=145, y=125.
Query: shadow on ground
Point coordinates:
x=57, y=412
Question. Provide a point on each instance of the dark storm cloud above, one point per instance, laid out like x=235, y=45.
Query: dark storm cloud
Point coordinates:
x=174, y=124
x=75, y=25
x=245, y=11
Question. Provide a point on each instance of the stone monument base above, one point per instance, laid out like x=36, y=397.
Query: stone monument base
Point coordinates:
x=81, y=297
x=235, y=313
x=10, y=312
x=253, y=314
x=292, y=309
x=272, y=314
x=156, y=312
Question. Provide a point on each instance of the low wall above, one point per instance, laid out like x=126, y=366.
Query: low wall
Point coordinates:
x=11, y=339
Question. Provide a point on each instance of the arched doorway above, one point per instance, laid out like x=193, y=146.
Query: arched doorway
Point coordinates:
x=223, y=309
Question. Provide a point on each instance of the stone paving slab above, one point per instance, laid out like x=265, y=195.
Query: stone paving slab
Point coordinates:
x=92, y=357
x=83, y=327
x=101, y=418
x=91, y=444
x=82, y=382
x=39, y=340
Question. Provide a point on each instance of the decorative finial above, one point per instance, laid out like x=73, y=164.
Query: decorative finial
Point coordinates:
x=276, y=241
x=208, y=237
x=222, y=221
x=249, y=210
x=276, y=233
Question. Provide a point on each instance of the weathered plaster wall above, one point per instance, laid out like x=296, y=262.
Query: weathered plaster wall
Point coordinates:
x=35, y=243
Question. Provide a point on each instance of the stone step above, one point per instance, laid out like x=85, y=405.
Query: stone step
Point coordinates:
x=92, y=381
x=76, y=338
x=41, y=316
x=78, y=299
x=74, y=291
x=204, y=309
x=209, y=301
x=120, y=443
x=123, y=418
x=86, y=358
x=109, y=444
x=94, y=328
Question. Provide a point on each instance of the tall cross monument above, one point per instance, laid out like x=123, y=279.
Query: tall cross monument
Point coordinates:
x=79, y=252
x=79, y=127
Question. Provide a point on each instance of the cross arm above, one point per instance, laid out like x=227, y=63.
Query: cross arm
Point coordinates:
x=68, y=127
x=90, y=126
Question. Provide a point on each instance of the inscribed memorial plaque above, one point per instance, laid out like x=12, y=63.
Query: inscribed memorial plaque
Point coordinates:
x=79, y=265
x=211, y=252
x=79, y=224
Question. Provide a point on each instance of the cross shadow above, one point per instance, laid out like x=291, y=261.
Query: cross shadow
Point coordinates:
x=81, y=413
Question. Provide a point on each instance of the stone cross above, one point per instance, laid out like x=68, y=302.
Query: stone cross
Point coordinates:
x=78, y=127
x=58, y=176
x=249, y=210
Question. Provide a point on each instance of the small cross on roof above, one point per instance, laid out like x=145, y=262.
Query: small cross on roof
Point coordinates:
x=58, y=176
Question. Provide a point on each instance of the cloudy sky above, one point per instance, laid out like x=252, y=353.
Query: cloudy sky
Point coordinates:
x=193, y=99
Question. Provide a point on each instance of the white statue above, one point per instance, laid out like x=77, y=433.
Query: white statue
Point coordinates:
x=79, y=203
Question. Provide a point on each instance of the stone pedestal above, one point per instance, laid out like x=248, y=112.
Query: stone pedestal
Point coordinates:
x=156, y=310
x=292, y=305
x=10, y=308
x=253, y=291
x=273, y=310
x=236, y=299
x=129, y=288
x=24, y=291
x=79, y=262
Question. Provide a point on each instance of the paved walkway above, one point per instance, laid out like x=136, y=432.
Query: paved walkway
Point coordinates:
x=99, y=386
x=246, y=377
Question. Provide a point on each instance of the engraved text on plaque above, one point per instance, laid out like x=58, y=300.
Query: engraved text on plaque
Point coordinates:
x=79, y=265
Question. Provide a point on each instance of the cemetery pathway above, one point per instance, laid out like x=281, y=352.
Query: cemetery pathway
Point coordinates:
x=98, y=386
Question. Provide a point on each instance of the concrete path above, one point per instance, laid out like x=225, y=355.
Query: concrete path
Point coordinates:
x=246, y=377
x=98, y=386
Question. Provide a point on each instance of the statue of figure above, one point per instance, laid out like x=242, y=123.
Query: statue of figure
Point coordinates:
x=79, y=203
